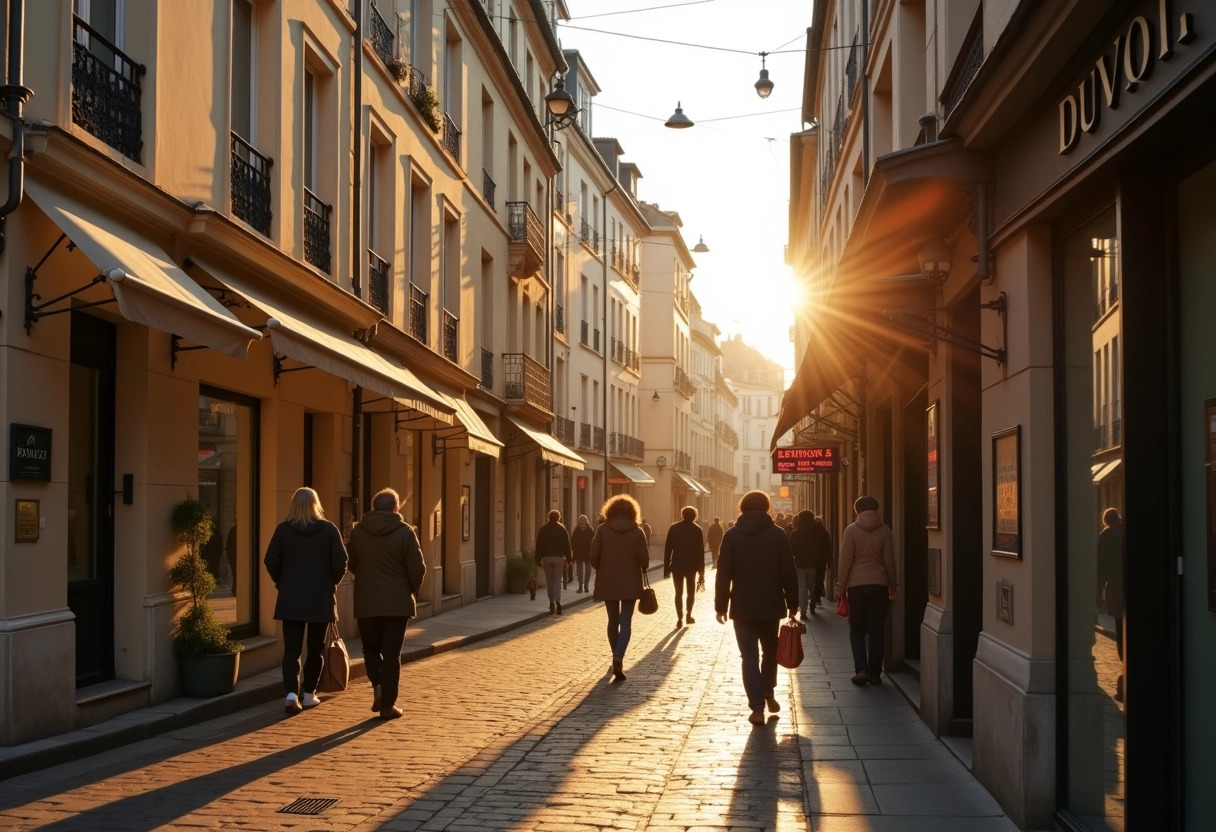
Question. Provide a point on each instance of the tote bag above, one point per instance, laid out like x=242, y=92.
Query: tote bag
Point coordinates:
x=335, y=673
x=648, y=604
x=789, y=643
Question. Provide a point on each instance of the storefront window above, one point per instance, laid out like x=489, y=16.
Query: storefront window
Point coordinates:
x=227, y=465
x=1096, y=716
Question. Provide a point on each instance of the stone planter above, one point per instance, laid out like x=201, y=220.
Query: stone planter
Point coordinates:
x=206, y=676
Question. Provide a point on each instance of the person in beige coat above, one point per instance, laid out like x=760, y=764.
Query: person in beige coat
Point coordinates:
x=619, y=555
x=867, y=572
x=388, y=569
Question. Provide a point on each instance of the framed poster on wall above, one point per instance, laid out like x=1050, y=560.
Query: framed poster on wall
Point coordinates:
x=1007, y=492
x=465, y=509
x=932, y=469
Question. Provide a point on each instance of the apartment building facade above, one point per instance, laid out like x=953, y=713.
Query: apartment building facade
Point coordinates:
x=758, y=384
x=715, y=439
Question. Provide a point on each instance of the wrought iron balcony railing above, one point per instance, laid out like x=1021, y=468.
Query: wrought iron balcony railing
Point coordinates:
x=597, y=439
x=563, y=430
x=451, y=337
x=595, y=345
x=726, y=433
x=621, y=444
x=527, y=239
x=380, y=35
x=487, y=369
x=966, y=66
x=683, y=462
x=251, y=185
x=487, y=187
x=584, y=435
x=584, y=231
x=683, y=383
x=584, y=328
x=316, y=231
x=559, y=318
x=526, y=379
x=378, y=271
x=106, y=94
x=418, y=304
x=451, y=137
x=707, y=472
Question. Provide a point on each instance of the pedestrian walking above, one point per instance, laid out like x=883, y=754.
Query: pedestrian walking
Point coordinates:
x=756, y=587
x=646, y=530
x=388, y=569
x=306, y=560
x=552, y=551
x=684, y=560
x=867, y=573
x=1110, y=579
x=821, y=575
x=715, y=539
x=619, y=555
x=580, y=546
x=810, y=545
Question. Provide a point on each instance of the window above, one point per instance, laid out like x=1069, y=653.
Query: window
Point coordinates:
x=242, y=70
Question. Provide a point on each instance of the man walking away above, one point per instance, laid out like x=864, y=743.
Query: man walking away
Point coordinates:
x=684, y=560
x=802, y=547
x=580, y=543
x=552, y=550
x=715, y=539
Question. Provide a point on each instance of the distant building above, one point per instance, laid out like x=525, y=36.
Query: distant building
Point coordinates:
x=758, y=384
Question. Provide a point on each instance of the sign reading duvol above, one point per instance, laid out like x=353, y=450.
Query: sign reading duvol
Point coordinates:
x=806, y=460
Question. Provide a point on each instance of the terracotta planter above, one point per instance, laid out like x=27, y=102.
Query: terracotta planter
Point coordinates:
x=206, y=676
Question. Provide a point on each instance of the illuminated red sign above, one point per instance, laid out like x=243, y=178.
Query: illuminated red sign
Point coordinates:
x=806, y=460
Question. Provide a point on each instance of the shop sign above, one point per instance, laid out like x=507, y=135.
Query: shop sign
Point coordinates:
x=1126, y=63
x=29, y=452
x=806, y=460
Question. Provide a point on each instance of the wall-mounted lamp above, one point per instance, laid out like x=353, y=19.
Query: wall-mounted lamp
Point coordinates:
x=678, y=120
x=764, y=87
x=700, y=247
x=655, y=397
x=562, y=109
x=934, y=260
x=660, y=463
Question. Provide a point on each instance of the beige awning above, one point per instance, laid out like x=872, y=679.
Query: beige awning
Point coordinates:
x=149, y=288
x=1103, y=470
x=626, y=473
x=692, y=483
x=550, y=449
x=337, y=354
x=473, y=434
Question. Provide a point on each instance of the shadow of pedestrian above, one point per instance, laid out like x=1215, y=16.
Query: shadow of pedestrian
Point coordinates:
x=768, y=776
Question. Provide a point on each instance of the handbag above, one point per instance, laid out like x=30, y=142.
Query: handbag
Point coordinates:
x=532, y=587
x=842, y=606
x=648, y=604
x=789, y=643
x=335, y=672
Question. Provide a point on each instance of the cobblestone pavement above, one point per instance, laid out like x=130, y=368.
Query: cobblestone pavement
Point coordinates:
x=527, y=731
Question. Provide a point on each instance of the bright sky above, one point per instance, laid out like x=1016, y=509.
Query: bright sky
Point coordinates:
x=728, y=176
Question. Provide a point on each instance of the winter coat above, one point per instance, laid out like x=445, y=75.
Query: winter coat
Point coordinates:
x=387, y=565
x=1110, y=568
x=306, y=565
x=580, y=541
x=715, y=537
x=619, y=554
x=684, y=550
x=867, y=553
x=756, y=579
x=811, y=545
x=552, y=541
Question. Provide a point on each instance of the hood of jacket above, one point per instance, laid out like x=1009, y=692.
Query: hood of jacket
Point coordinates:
x=869, y=520
x=380, y=523
x=621, y=523
x=753, y=522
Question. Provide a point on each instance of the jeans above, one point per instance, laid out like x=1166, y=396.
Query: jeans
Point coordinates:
x=620, y=621
x=806, y=590
x=554, y=568
x=682, y=579
x=758, y=646
x=382, y=639
x=582, y=568
x=868, y=620
x=293, y=640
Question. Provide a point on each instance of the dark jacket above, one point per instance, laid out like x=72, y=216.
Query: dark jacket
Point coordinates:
x=580, y=541
x=715, y=537
x=756, y=579
x=306, y=565
x=810, y=543
x=619, y=554
x=552, y=541
x=1110, y=568
x=387, y=565
x=684, y=550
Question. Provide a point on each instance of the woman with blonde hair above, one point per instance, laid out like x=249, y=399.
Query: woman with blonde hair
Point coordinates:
x=306, y=560
x=619, y=555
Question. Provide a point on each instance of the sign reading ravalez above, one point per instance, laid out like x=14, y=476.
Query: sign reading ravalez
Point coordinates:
x=806, y=460
x=29, y=452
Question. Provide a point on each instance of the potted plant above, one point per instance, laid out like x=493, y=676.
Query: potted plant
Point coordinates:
x=398, y=68
x=208, y=657
x=428, y=105
x=520, y=569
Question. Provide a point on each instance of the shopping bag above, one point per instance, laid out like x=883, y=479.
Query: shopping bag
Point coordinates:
x=789, y=643
x=648, y=604
x=842, y=606
x=335, y=672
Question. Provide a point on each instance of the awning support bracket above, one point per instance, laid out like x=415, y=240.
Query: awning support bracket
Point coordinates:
x=175, y=346
x=34, y=311
x=280, y=370
x=933, y=331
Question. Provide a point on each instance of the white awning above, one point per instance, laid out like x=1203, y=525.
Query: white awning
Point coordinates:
x=692, y=484
x=149, y=287
x=338, y=354
x=474, y=434
x=550, y=449
x=627, y=473
x=1102, y=471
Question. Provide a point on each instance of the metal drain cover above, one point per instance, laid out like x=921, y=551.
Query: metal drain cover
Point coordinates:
x=308, y=805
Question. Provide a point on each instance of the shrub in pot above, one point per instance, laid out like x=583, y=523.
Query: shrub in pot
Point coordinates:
x=208, y=657
x=520, y=568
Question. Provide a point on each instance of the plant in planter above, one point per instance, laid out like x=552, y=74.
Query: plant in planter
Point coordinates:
x=399, y=69
x=428, y=105
x=208, y=657
x=520, y=569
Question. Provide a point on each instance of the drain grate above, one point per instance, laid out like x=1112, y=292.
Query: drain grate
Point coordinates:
x=308, y=805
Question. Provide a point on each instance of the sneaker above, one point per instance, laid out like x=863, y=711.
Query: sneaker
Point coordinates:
x=292, y=705
x=559, y=607
x=550, y=608
x=376, y=698
x=309, y=700
x=876, y=679
x=391, y=713
x=861, y=678
x=773, y=704
x=690, y=619
x=756, y=718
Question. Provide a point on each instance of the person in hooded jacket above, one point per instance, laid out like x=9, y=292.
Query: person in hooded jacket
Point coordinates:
x=811, y=546
x=756, y=586
x=388, y=568
x=306, y=560
x=619, y=555
x=684, y=560
x=580, y=547
x=867, y=572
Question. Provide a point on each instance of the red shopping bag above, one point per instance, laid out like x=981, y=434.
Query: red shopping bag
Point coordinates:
x=789, y=643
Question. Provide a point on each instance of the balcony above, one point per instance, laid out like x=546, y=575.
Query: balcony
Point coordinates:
x=451, y=337
x=583, y=331
x=527, y=250
x=683, y=462
x=595, y=340
x=380, y=35
x=106, y=94
x=563, y=430
x=251, y=185
x=726, y=434
x=418, y=304
x=378, y=271
x=525, y=379
x=451, y=137
x=487, y=188
x=966, y=66
x=316, y=231
x=584, y=435
x=487, y=369
x=559, y=318
x=706, y=472
x=683, y=384
x=597, y=439
x=623, y=445
x=584, y=231
x=618, y=351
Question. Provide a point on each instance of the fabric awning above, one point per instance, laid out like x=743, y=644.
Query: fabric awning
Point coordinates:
x=626, y=473
x=337, y=354
x=472, y=432
x=1103, y=470
x=550, y=449
x=149, y=287
x=692, y=483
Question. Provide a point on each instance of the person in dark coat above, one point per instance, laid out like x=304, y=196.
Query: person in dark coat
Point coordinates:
x=619, y=555
x=715, y=539
x=552, y=552
x=646, y=531
x=306, y=560
x=684, y=560
x=825, y=539
x=756, y=587
x=1110, y=579
x=388, y=568
x=580, y=546
x=812, y=549
x=868, y=573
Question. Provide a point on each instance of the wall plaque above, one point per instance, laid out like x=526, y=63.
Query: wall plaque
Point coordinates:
x=1007, y=493
x=29, y=452
x=1004, y=601
x=27, y=521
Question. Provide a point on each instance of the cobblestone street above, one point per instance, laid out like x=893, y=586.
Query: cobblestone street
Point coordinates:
x=526, y=731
